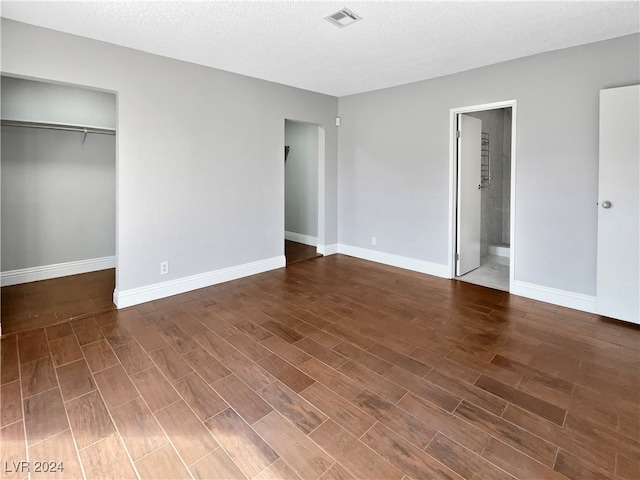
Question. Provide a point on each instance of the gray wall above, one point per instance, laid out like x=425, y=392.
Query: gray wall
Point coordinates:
x=394, y=159
x=58, y=194
x=200, y=176
x=28, y=100
x=301, y=179
x=58, y=197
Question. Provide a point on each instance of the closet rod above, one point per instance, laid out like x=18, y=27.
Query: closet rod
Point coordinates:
x=54, y=126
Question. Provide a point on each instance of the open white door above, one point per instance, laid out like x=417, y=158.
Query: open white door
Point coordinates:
x=618, y=284
x=468, y=214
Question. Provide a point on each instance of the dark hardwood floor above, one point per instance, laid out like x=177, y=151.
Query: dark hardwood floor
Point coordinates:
x=299, y=252
x=336, y=368
x=49, y=302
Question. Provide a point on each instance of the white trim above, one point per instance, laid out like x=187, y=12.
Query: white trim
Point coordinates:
x=148, y=293
x=301, y=238
x=453, y=113
x=407, y=263
x=564, y=298
x=328, y=249
x=45, y=272
x=512, y=198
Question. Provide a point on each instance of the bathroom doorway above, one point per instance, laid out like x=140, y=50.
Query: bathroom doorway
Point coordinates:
x=483, y=199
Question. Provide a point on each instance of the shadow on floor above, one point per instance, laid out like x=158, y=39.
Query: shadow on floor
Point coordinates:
x=298, y=252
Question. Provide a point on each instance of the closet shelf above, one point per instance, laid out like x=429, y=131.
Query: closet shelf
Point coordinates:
x=58, y=126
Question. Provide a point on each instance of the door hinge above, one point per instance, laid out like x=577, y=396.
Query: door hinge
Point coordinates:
x=457, y=257
x=457, y=133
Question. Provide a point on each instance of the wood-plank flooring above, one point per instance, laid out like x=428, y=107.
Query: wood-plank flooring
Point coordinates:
x=333, y=369
x=49, y=302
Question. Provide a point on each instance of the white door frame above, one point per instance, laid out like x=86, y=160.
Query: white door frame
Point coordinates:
x=453, y=174
x=321, y=246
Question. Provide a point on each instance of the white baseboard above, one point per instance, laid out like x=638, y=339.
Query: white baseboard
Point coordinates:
x=45, y=272
x=135, y=296
x=407, y=263
x=328, y=249
x=499, y=250
x=301, y=238
x=564, y=298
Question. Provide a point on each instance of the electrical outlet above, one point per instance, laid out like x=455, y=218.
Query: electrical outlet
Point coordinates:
x=373, y=240
x=164, y=268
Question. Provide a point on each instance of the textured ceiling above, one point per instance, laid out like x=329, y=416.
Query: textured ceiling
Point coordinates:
x=291, y=43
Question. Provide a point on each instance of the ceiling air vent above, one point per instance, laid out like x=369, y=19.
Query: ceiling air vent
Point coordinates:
x=343, y=18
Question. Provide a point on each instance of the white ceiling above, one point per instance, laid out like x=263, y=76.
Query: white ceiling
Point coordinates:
x=291, y=43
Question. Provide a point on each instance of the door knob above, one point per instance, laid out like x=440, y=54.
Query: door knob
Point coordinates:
x=606, y=204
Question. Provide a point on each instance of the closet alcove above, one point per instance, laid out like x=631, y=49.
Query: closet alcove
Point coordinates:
x=57, y=202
